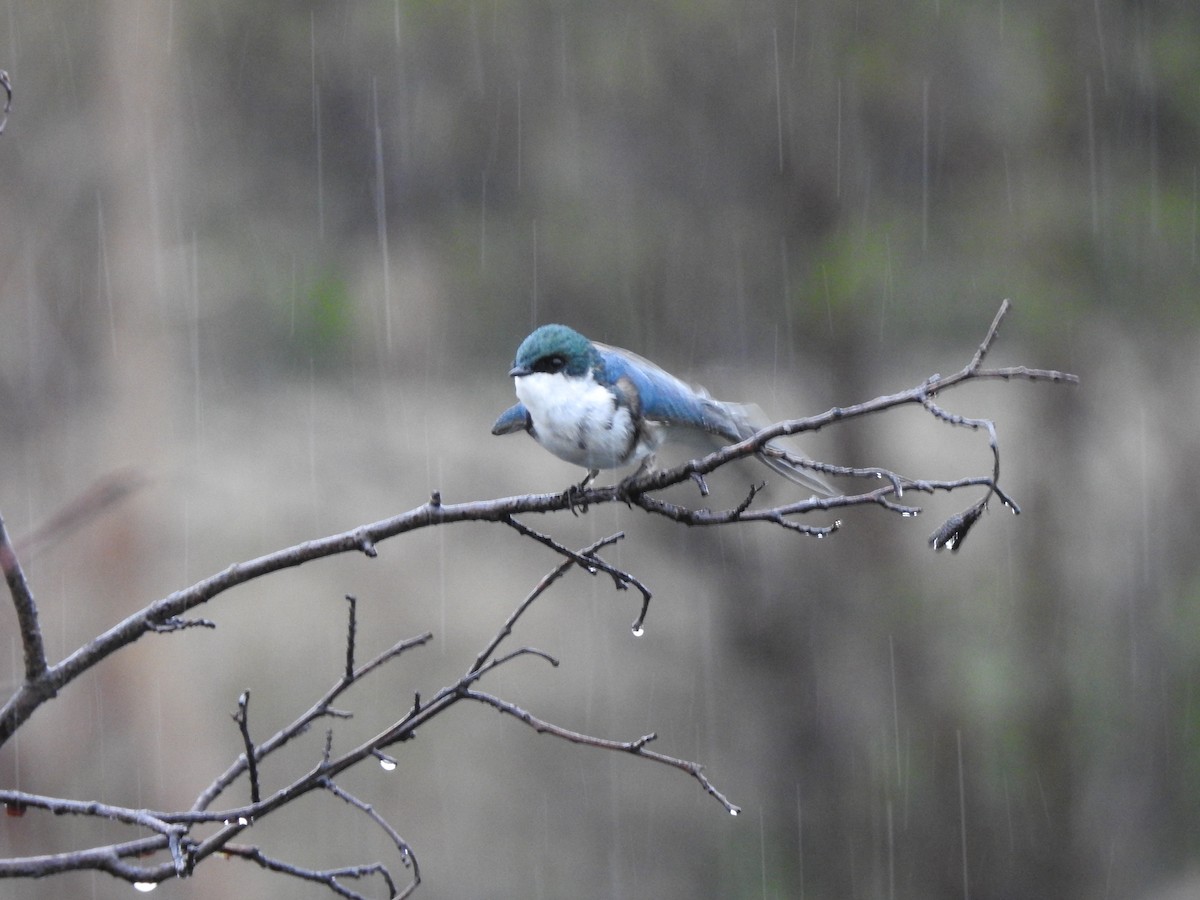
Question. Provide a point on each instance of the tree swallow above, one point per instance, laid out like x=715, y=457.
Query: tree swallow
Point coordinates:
x=602, y=407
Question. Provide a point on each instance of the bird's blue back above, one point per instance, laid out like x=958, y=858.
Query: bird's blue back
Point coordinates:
x=664, y=398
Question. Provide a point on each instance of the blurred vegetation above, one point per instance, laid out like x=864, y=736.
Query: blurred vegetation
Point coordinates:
x=203, y=205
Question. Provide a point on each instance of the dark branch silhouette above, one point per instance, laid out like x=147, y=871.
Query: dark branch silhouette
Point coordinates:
x=173, y=848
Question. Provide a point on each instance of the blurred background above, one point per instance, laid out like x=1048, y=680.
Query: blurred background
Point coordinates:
x=263, y=268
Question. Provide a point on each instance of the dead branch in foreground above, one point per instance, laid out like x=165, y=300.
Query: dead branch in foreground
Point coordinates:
x=178, y=841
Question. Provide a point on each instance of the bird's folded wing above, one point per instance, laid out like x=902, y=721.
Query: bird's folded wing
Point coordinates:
x=664, y=398
x=513, y=419
x=661, y=397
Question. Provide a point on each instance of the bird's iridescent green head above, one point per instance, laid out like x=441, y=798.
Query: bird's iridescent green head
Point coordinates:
x=553, y=349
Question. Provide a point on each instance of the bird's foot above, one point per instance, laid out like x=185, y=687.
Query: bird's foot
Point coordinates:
x=575, y=496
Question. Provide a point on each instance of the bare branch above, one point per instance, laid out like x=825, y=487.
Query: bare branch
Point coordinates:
x=542, y=586
x=321, y=709
x=27, y=618
x=406, y=854
x=633, y=491
x=171, y=831
x=328, y=877
x=243, y=724
x=637, y=747
x=352, y=626
x=591, y=563
x=990, y=337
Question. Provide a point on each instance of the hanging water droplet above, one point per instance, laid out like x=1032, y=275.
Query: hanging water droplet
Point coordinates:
x=388, y=765
x=145, y=886
x=638, y=630
x=733, y=812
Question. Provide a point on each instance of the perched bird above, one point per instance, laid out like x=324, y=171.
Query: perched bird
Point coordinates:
x=602, y=407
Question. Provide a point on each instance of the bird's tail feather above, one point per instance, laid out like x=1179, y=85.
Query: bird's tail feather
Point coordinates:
x=747, y=419
x=790, y=467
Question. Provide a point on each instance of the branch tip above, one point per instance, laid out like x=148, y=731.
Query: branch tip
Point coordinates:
x=241, y=717
x=352, y=628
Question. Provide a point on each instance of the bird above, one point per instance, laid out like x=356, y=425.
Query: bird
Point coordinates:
x=603, y=407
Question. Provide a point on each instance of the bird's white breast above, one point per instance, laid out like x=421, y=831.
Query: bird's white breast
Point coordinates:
x=578, y=420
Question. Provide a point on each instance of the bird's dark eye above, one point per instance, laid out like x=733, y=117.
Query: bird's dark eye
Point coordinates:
x=550, y=364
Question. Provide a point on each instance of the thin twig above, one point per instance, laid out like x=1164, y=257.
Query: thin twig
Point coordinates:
x=542, y=586
x=243, y=723
x=322, y=708
x=27, y=620
x=406, y=853
x=351, y=635
x=590, y=562
x=637, y=747
x=327, y=877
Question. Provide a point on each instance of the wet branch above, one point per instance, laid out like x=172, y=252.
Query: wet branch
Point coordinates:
x=241, y=717
x=173, y=830
x=636, y=747
x=636, y=491
x=27, y=618
x=173, y=836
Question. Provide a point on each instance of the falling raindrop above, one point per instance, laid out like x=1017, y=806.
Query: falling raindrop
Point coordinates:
x=534, y=296
x=381, y=226
x=925, y=165
x=837, y=180
x=105, y=274
x=778, y=99
x=1092, y=170
x=483, y=223
x=316, y=102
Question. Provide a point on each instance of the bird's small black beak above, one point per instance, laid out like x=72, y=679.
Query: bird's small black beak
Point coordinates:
x=518, y=371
